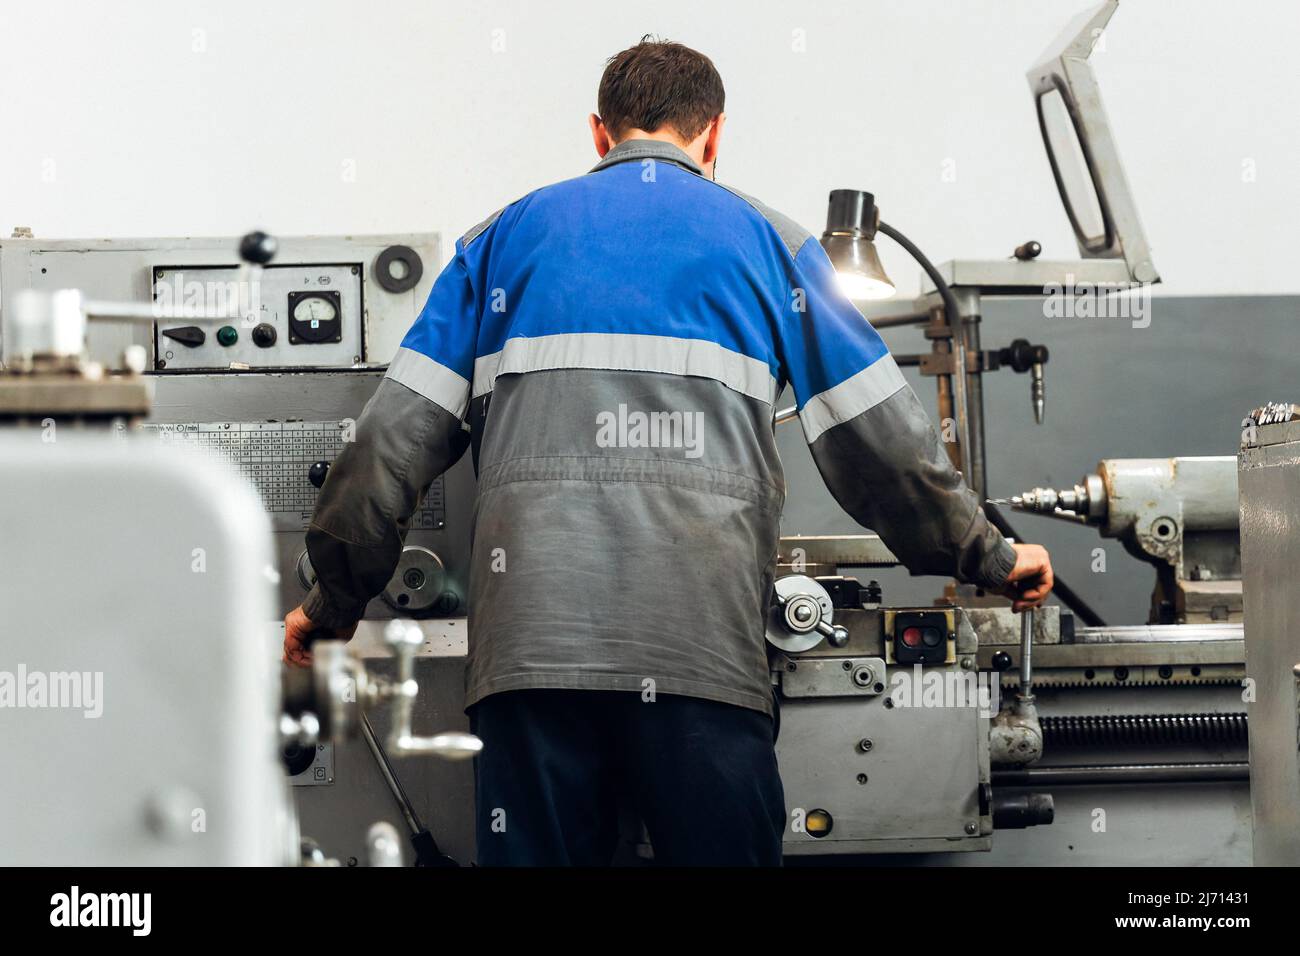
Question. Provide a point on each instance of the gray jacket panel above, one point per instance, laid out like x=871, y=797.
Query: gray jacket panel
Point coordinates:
x=649, y=552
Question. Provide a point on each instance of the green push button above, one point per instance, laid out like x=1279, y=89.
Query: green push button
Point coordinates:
x=227, y=335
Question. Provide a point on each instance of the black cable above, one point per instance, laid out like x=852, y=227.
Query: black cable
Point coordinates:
x=945, y=293
x=953, y=314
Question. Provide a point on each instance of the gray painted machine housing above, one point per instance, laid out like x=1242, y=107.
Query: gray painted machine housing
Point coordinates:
x=1269, y=481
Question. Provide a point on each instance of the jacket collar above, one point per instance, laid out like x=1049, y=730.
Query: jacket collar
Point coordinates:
x=656, y=149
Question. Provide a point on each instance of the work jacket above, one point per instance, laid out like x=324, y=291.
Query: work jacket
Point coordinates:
x=612, y=347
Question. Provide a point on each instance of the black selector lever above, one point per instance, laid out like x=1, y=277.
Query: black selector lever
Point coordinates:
x=190, y=336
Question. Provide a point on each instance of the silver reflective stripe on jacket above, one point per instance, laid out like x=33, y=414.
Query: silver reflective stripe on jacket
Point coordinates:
x=639, y=353
x=432, y=380
x=851, y=398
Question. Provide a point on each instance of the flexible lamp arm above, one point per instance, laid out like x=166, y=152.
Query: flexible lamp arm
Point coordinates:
x=958, y=331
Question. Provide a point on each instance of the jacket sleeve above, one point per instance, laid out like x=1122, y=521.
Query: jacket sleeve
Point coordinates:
x=409, y=433
x=873, y=442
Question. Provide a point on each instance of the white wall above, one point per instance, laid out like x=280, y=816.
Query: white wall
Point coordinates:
x=161, y=117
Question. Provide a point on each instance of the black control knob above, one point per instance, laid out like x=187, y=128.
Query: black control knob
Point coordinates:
x=264, y=335
x=318, y=472
x=1001, y=661
x=298, y=758
x=259, y=248
x=1022, y=355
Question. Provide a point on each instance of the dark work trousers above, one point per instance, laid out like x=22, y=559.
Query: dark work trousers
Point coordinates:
x=556, y=763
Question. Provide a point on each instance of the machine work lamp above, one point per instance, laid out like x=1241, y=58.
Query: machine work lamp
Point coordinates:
x=851, y=223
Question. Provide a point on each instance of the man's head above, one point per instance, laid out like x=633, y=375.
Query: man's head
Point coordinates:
x=665, y=91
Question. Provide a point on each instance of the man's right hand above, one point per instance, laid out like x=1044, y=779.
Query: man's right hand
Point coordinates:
x=1030, y=581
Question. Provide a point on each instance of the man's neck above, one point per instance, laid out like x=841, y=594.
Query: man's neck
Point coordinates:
x=694, y=150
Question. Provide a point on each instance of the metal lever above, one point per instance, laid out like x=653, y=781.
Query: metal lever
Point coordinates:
x=404, y=637
x=1027, y=620
x=803, y=614
x=838, y=636
x=256, y=249
x=329, y=700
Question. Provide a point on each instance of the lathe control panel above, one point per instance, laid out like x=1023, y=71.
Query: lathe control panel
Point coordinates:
x=277, y=457
x=303, y=315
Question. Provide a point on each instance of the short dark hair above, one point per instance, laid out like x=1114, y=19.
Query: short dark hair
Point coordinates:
x=659, y=83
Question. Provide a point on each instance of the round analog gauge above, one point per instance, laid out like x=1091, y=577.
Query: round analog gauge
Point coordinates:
x=315, y=308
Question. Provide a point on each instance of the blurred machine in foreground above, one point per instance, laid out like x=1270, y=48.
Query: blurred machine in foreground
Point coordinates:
x=145, y=721
x=140, y=721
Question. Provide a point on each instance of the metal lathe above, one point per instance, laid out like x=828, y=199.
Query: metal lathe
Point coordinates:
x=136, y=393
